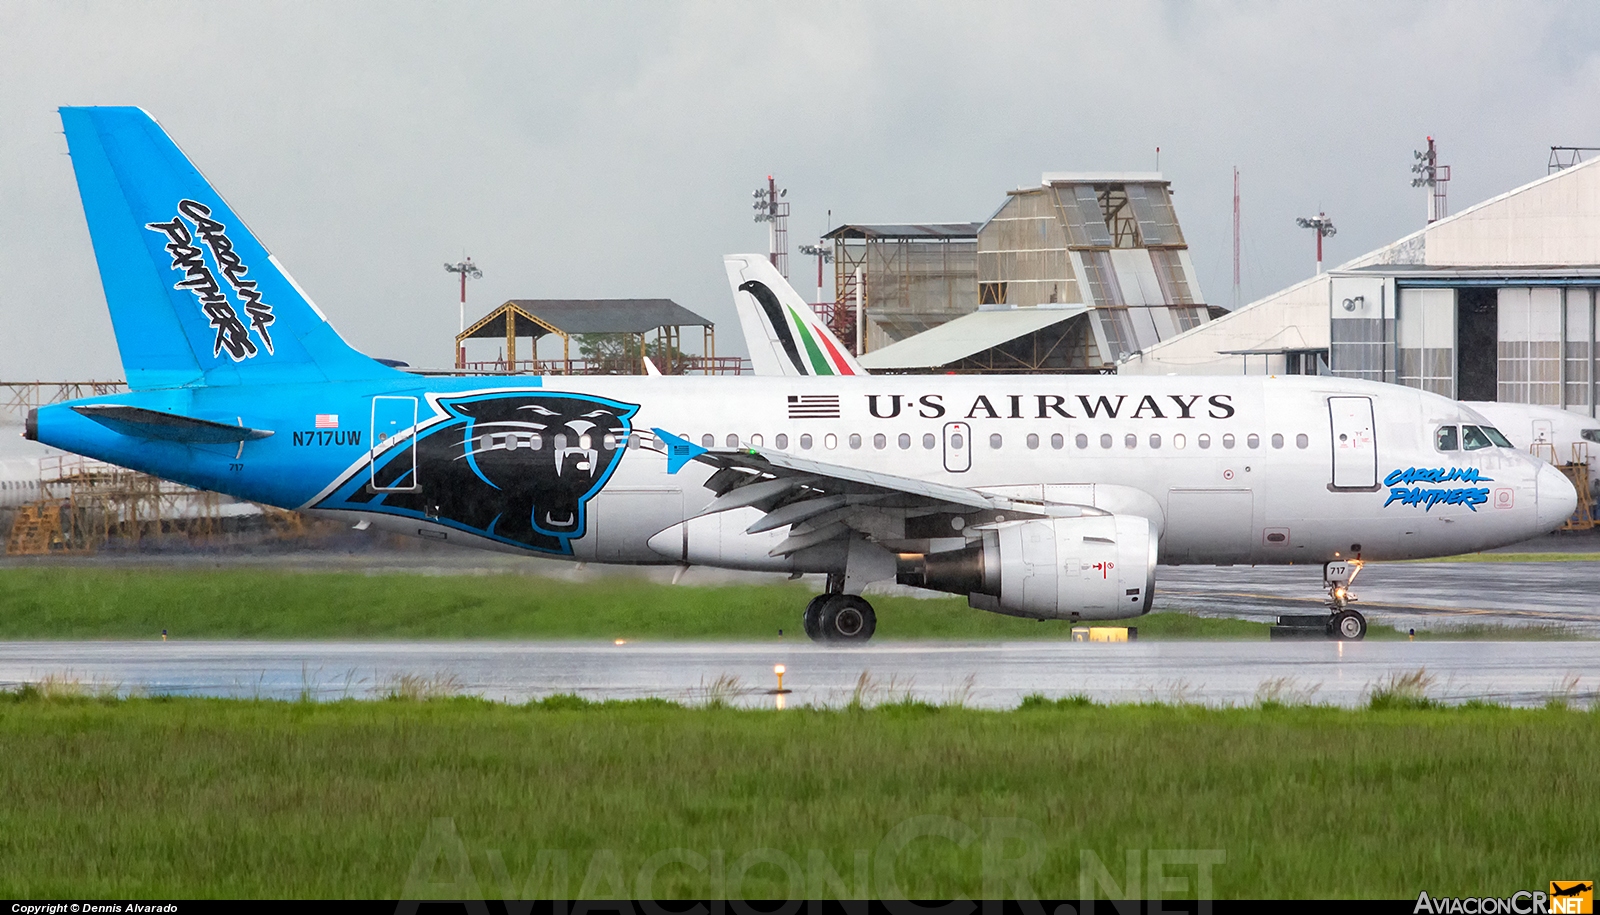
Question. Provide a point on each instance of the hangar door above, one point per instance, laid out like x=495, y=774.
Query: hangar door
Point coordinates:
x=1355, y=446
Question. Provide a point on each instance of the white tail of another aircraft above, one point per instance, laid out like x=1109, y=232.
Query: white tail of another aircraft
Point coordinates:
x=784, y=335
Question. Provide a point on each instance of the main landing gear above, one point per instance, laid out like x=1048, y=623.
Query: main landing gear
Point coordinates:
x=836, y=617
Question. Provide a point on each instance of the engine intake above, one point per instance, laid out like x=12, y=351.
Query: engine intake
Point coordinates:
x=1093, y=567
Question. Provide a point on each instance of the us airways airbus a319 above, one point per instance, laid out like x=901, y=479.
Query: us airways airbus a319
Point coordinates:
x=1052, y=497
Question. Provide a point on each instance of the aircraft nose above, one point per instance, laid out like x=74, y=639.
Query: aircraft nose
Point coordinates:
x=1556, y=497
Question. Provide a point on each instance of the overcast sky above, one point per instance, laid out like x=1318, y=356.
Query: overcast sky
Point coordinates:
x=609, y=150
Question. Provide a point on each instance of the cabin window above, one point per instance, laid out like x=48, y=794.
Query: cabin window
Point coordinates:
x=830, y=441
x=781, y=441
x=1473, y=438
x=706, y=441
x=1130, y=441
x=1178, y=441
x=1277, y=440
x=1447, y=439
x=585, y=441
x=1302, y=440
x=1082, y=441
x=880, y=441
x=1253, y=441
x=1203, y=440
x=928, y=440
x=805, y=441
x=1033, y=440
x=1155, y=440
x=904, y=441
x=608, y=442
x=560, y=441
x=732, y=440
x=855, y=440
x=1227, y=440
x=1057, y=441
x=755, y=440
x=1105, y=440
x=995, y=441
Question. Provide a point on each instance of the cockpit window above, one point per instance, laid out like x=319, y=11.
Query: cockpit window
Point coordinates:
x=1473, y=438
x=1500, y=441
x=1445, y=439
x=1591, y=435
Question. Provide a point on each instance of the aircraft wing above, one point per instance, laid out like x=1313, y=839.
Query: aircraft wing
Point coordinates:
x=820, y=501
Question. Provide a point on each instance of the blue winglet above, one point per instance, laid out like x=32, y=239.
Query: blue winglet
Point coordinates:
x=680, y=451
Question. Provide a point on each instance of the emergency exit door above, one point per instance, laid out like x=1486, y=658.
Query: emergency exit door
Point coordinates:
x=957, y=447
x=393, y=419
x=1355, y=446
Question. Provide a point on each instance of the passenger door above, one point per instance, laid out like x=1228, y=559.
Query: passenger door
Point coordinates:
x=1355, y=445
x=393, y=419
x=957, y=447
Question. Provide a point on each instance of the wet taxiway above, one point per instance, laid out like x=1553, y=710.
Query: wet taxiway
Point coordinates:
x=1422, y=595
x=982, y=675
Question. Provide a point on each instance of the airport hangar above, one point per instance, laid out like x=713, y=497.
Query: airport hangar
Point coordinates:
x=1494, y=303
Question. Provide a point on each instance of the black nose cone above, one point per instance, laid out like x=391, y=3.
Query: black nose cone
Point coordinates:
x=30, y=426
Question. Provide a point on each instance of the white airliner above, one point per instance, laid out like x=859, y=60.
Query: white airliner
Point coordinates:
x=1052, y=497
x=1550, y=433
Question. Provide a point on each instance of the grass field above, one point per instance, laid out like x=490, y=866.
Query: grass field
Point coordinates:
x=451, y=797
x=87, y=603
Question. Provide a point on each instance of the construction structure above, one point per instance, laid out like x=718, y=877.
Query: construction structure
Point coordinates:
x=18, y=397
x=1496, y=302
x=1070, y=275
x=902, y=279
x=83, y=504
x=648, y=327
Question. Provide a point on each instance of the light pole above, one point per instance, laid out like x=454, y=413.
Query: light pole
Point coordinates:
x=1323, y=226
x=466, y=268
x=772, y=209
x=824, y=255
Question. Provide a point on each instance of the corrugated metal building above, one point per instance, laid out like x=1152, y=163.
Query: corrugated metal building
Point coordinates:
x=1070, y=275
x=1496, y=302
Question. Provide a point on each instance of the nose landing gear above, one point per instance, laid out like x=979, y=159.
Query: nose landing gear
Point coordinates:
x=1346, y=624
x=1342, y=622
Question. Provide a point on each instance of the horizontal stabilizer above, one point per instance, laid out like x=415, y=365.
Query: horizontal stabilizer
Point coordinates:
x=168, y=427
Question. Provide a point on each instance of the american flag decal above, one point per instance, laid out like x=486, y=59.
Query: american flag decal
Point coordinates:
x=327, y=420
x=813, y=406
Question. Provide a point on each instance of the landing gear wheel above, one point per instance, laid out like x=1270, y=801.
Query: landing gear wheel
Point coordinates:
x=1348, y=626
x=811, y=621
x=847, y=618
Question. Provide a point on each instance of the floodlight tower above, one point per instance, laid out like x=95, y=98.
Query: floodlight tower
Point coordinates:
x=466, y=268
x=824, y=255
x=1430, y=174
x=1323, y=226
x=772, y=209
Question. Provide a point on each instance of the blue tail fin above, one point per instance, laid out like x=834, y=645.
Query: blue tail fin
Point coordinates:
x=194, y=297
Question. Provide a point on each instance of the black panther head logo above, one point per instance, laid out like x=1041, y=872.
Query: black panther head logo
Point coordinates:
x=518, y=467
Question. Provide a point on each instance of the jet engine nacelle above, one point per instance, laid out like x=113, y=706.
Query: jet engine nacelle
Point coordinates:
x=1094, y=567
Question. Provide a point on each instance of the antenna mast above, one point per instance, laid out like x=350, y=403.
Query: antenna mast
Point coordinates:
x=1236, y=236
